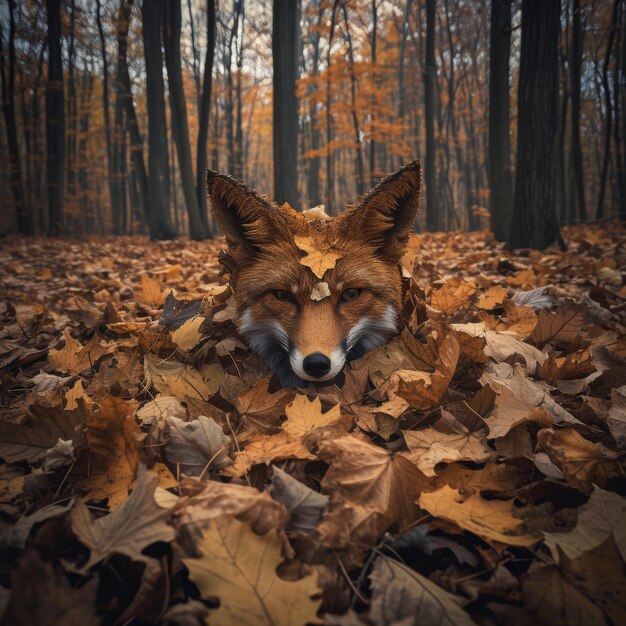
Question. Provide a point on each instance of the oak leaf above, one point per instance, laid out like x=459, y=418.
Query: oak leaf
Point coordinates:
x=239, y=567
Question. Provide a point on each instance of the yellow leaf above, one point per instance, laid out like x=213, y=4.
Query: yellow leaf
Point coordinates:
x=318, y=259
x=150, y=291
x=187, y=336
x=304, y=415
x=493, y=297
x=239, y=567
x=490, y=519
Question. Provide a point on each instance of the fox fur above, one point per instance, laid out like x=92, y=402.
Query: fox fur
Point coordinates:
x=286, y=313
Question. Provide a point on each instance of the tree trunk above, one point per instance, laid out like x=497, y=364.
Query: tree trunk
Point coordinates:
x=500, y=179
x=285, y=33
x=136, y=141
x=171, y=37
x=72, y=123
x=577, y=156
x=55, y=120
x=24, y=221
x=360, y=167
x=158, y=165
x=619, y=87
x=372, y=155
x=404, y=33
x=534, y=222
x=329, y=120
x=433, y=219
x=609, y=111
x=238, y=156
x=113, y=190
x=205, y=109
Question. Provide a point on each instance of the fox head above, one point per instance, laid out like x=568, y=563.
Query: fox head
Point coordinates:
x=312, y=291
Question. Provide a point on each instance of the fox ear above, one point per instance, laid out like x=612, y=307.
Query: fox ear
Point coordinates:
x=384, y=216
x=248, y=220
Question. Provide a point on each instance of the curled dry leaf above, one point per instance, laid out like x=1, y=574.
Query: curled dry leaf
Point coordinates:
x=136, y=524
x=239, y=567
x=581, y=461
x=197, y=445
x=490, y=519
x=304, y=505
x=428, y=447
x=403, y=596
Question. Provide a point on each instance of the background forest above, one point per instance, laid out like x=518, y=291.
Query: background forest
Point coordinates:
x=114, y=109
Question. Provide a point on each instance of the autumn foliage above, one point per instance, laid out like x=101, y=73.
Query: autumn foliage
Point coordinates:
x=469, y=471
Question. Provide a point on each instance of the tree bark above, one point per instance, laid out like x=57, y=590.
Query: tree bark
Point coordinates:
x=372, y=155
x=500, y=179
x=55, y=120
x=22, y=212
x=158, y=163
x=534, y=222
x=577, y=156
x=285, y=33
x=180, y=128
x=329, y=128
x=433, y=218
x=205, y=109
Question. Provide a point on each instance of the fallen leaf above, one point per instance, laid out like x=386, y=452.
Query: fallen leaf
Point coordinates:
x=197, y=445
x=561, y=326
x=132, y=527
x=492, y=298
x=150, y=292
x=303, y=415
x=317, y=258
x=453, y=296
x=600, y=518
x=176, y=379
x=305, y=506
x=262, y=408
x=428, y=447
x=187, y=336
x=239, y=567
x=401, y=595
x=74, y=358
x=616, y=418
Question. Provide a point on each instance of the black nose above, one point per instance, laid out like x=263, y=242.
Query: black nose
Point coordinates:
x=316, y=365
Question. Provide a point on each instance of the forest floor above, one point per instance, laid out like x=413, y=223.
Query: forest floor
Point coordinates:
x=470, y=471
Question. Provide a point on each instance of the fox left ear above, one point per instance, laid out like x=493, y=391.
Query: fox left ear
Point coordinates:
x=384, y=216
x=249, y=221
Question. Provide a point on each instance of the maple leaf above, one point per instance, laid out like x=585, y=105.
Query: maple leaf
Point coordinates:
x=492, y=298
x=317, y=258
x=490, y=519
x=303, y=415
x=454, y=295
x=113, y=439
x=262, y=408
x=74, y=357
x=239, y=567
x=133, y=526
x=561, y=326
x=150, y=291
x=370, y=489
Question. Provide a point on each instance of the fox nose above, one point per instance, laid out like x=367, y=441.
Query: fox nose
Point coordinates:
x=316, y=365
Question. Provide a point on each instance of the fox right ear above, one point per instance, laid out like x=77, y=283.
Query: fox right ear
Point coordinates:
x=248, y=220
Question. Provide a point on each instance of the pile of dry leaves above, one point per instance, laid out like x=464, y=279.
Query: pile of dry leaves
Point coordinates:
x=470, y=471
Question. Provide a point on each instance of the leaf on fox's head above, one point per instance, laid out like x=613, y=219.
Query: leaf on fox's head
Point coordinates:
x=384, y=216
x=249, y=221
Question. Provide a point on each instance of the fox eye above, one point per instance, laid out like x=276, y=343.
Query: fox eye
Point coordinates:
x=283, y=295
x=350, y=294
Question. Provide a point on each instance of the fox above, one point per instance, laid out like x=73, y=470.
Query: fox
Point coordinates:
x=314, y=292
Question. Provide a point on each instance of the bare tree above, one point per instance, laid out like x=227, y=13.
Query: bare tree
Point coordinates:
x=534, y=222
x=433, y=219
x=180, y=128
x=55, y=120
x=285, y=33
x=500, y=179
x=24, y=221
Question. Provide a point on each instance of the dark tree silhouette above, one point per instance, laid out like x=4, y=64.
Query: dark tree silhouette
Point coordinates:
x=178, y=106
x=55, y=120
x=500, y=180
x=534, y=222
x=578, y=197
x=285, y=35
x=433, y=219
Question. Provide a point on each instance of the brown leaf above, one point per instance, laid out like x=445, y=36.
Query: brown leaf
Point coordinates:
x=304, y=415
x=454, y=295
x=150, y=292
x=616, y=418
x=581, y=461
x=262, y=408
x=133, y=526
x=114, y=441
x=561, y=326
x=428, y=447
x=492, y=298
x=74, y=357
